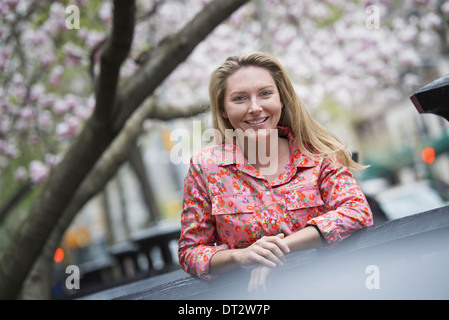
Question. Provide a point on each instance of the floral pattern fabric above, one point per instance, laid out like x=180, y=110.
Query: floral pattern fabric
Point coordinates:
x=228, y=204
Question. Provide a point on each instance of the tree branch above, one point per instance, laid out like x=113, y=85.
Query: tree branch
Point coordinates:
x=116, y=51
x=159, y=112
x=165, y=58
x=20, y=193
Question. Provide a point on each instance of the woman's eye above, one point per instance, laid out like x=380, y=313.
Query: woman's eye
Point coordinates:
x=266, y=94
x=238, y=99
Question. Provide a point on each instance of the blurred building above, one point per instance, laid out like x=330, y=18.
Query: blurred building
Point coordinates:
x=395, y=135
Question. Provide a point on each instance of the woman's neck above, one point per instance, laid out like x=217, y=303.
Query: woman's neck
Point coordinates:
x=269, y=155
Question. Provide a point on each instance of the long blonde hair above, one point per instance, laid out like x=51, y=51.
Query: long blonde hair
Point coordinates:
x=311, y=137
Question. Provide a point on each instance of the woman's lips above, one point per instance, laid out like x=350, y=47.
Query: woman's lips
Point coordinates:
x=257, y=121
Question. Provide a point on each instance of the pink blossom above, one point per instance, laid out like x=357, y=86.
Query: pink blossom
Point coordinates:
x=285, y=36
x=5, y=125
x=91, y=102
x=56, y=20
x=421, y=2
x=430, y=21
x=390, y=94
x=74, y=54
x=51, y=160
x=34, y=37
x=60, y=106
x=22, y=125
x=445, y=7
x=2, y=145
x=37, y=92
x=68, y=128
x=39, y=172
x=56, y=76
x=5, y=53
x=237, y=18
x=4, y=107
x=12, y=3
x=20, y=174
x=105, y=12
x=411, y=81
x=71, y=101
x=408, y=33
x=93, y=38
x=47, y=101
x=318, y=10
x=63, y=130
x=35, y=138
x=8, y=149
x=82, y=112
x=428, y=39
x=27, y=113
x=48, y=58
x=45, y=118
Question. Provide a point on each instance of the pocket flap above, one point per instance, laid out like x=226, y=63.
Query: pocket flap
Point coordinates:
x=303, y=198
x=232, y=204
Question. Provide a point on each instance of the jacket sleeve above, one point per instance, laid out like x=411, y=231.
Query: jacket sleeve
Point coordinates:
x=348, y=208
x=198, y=235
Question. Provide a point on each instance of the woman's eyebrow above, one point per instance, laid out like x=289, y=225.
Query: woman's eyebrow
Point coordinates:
x=243, y=91
x=265, y=87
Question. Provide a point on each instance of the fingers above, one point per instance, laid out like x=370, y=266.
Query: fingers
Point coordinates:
x=273, y=253
x=266, y=257
x=270, y=251
x=281, y=244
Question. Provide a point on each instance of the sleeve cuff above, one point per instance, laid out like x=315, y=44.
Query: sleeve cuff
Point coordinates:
x=327, y=231
x=205, y=273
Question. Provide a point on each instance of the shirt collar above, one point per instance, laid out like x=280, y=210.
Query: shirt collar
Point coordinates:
x=232, y=154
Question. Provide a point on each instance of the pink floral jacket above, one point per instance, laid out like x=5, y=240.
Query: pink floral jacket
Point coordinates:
x=228, y=204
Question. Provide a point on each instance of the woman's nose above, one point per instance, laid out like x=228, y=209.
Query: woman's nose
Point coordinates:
x=255, y=106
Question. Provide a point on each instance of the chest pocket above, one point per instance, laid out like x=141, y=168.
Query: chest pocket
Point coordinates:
x=232, y=204
x=303, y=198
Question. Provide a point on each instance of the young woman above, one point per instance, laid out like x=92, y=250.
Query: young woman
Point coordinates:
x=241, y=212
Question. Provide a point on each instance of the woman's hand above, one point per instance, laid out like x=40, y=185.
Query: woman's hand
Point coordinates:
x=267, y=251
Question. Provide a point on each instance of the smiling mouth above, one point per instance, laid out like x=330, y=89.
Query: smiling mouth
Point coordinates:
x=257, y=121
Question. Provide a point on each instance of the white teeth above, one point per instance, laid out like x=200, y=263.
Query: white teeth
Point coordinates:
x=257, y=121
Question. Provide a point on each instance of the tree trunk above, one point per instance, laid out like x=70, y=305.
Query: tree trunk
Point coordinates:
x=40, y=279
x=104, y=170
x=123, y=209
x=138, y=166
x=106, y=208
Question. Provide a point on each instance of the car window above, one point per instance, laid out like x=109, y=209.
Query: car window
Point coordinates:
x=415, y=201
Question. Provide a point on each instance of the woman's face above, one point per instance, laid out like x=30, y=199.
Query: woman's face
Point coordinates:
x=252, y=100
